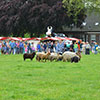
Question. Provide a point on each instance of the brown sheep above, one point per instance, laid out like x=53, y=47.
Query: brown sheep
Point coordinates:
x=41, y=57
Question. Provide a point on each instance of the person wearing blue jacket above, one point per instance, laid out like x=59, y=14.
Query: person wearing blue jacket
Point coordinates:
x=12, y=45
x=39, y=47
x=21, y=47
x=95, y=48
x=60, y=47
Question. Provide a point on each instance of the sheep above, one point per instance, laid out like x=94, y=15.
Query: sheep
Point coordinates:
x=55, y=56
x=75, y=59
x=29, y=56
x=52, y=56
x=68, y=55
x=42, y=56
x=40, y=53
x=79, y=54
x=60, y=57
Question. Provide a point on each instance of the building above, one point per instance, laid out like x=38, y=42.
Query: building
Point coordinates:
x=90, y=31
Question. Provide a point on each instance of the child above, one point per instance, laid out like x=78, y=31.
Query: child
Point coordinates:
x=25, y=49
x=32, y=46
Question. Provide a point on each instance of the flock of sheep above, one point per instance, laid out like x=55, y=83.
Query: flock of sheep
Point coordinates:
x=66, y=56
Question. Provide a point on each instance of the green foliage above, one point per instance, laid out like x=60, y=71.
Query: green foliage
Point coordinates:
x=34, y=16
x=30, y=16
x=73, y=6
x=42, y=35
x=92, y=5
x=32, y=80
x=27, y=35
x=75, y=10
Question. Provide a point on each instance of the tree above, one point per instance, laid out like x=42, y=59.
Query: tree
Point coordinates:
x=76, y=11
x=45, y=13
x=33, y=16
x=92, y=5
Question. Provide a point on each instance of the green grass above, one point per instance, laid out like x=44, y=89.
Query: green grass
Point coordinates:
x=32, y=80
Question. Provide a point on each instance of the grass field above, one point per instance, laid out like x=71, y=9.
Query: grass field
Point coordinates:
x=31, y=80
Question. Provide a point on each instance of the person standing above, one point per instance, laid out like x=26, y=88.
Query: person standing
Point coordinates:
x=21, y=46
x=87, y=48
x=95, y=48
x=60, y=46
x=78, y=43
x=0, y=46
x=68, y=46
x=52, y=47
x=75, y=47
x=25, y=49
x=83, y=48
x=39, y=47
x=12, y=45
x=32, y=46
x=44, y=46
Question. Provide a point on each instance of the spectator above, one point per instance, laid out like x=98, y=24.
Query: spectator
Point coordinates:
x=83, y=48
x=25, y=48
x=44, y=46
x=78, y=45
x=39, y=47
x=52, y=47
x=95, y=48
x=21, y=47
x=75, y=47
x=68, y=46
x=32, y=47
x=72, y=47
x=60, y=47
x=87, y=48
x=0, y=46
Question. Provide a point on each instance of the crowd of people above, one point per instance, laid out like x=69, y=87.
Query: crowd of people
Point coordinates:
x=21, y=47
x=62, y=46
x=16, y=47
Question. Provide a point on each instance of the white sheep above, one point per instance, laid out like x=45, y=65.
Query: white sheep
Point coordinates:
x=55, y=56
x=40, y=53
x=68, y=55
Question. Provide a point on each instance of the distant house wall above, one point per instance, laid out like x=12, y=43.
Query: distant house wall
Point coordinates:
x=90, y=32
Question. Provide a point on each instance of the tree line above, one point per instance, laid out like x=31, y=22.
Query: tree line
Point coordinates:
x=18, y=17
